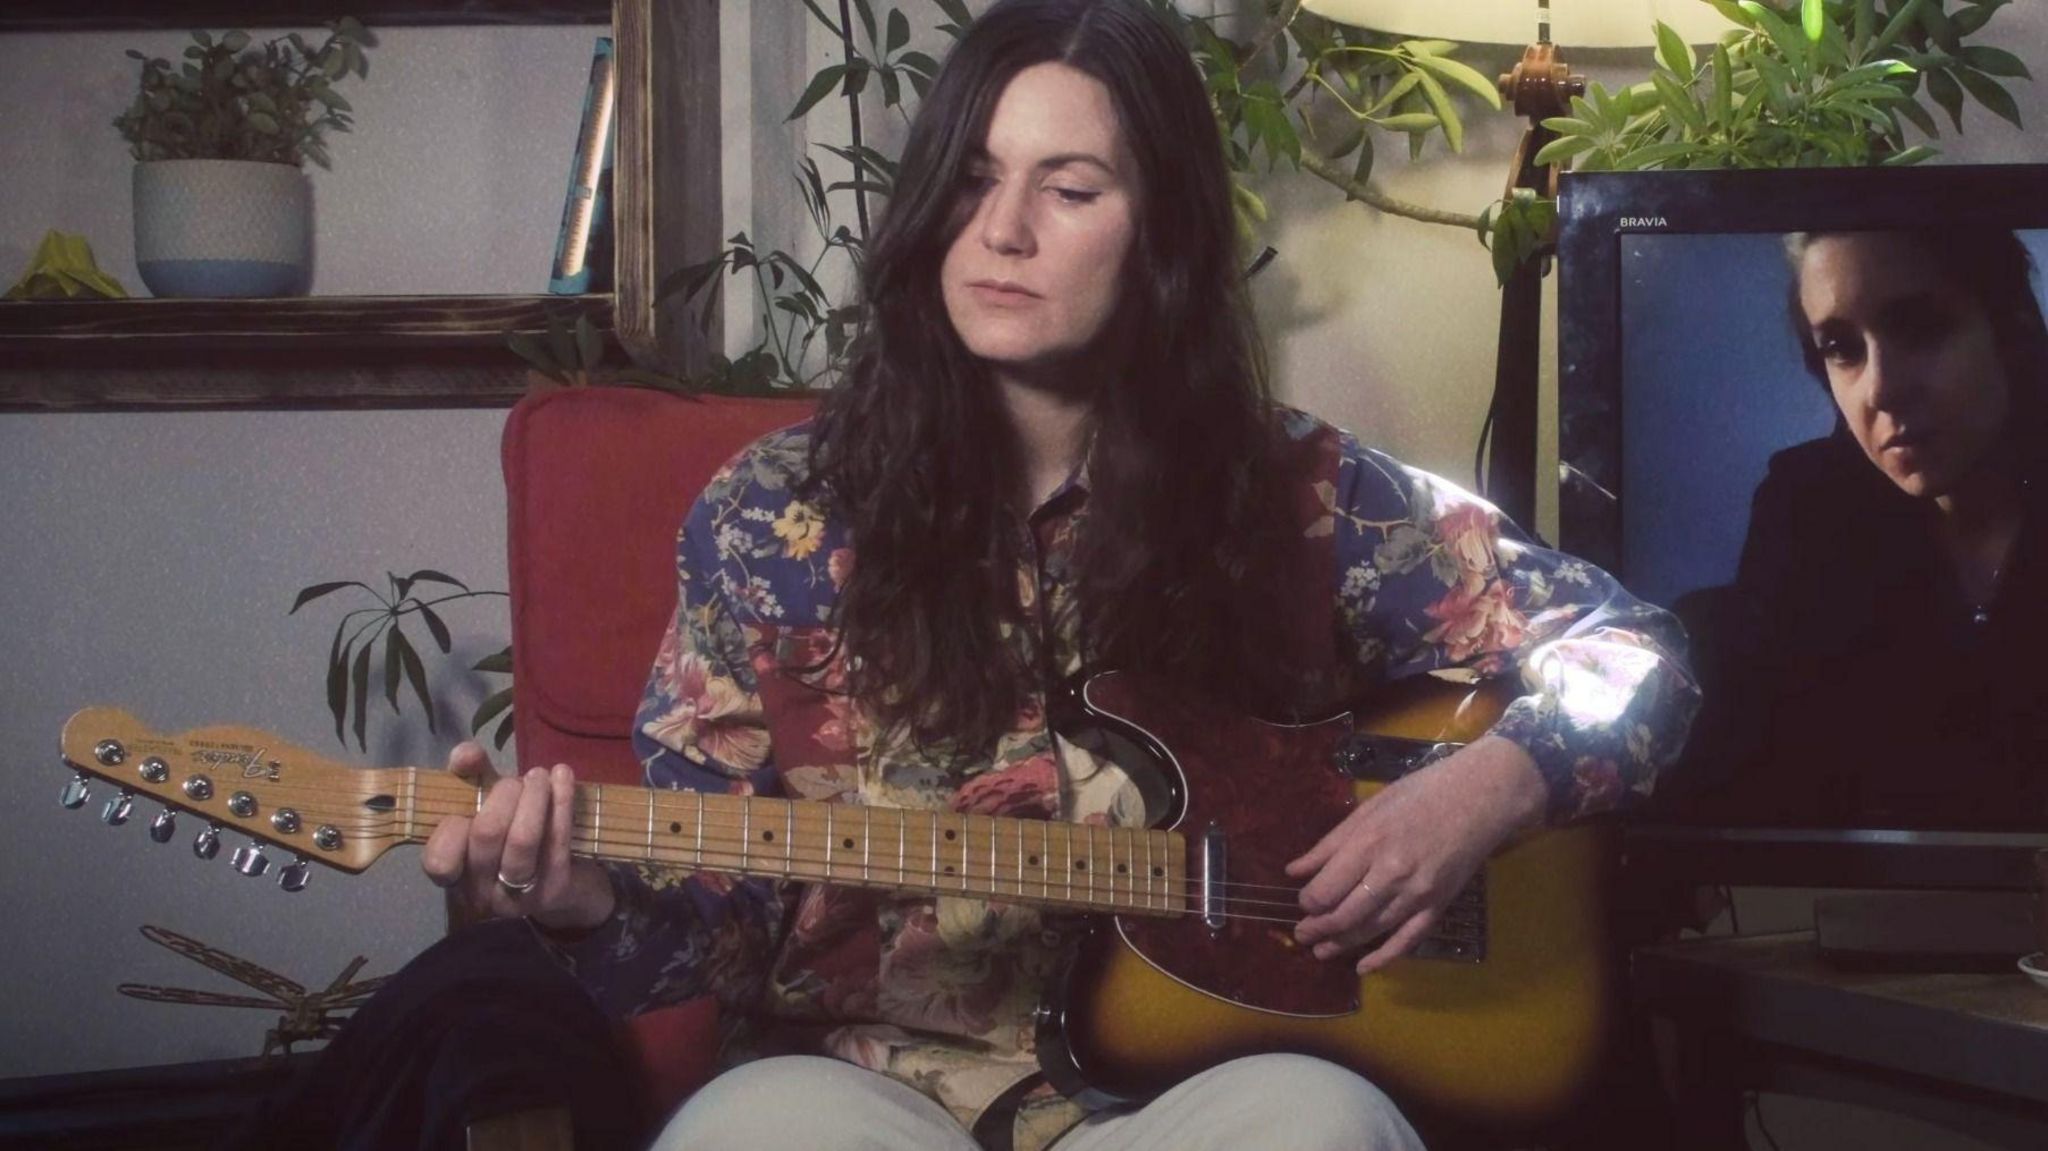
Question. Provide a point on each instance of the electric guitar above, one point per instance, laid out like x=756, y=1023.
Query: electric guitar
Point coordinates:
x=1499, y=1019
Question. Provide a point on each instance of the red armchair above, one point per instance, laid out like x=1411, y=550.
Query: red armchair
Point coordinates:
x=597, y=480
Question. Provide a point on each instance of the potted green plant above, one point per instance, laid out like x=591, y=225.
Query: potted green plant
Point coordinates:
x=222, y=203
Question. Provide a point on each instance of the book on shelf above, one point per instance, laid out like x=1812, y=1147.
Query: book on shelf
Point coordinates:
x=583, y=260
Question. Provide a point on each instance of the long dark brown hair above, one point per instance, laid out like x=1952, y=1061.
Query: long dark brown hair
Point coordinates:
x=914, y=452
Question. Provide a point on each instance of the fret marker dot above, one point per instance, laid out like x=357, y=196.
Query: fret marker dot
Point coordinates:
x=675, y=829
x=1158, y=872
x=1122, y=869
x=767, y=837
x=949, y=836
x=847, y=843
x=1034, y=861
x=1080, y=865
x=949, y=869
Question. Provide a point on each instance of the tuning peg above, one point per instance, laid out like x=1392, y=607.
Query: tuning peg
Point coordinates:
x=207, y=844
x=115, y=813
x=75, y=792
x=164, y=826
x=249, y=860
x=295, y=875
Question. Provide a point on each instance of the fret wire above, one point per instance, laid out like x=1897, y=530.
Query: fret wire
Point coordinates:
x=1067, y=844
x=966, y=824
x=935, y=846
x=1020, y=861
x=412, y=800
x=902, y=838
x=746, y=831
x=700, y=831
x=995, y=834
x=830, y=844
x=1148, y=870
x=1044, y=858
x=867, y=841
x=597, y=811
x=789, y=837
x=650, y=825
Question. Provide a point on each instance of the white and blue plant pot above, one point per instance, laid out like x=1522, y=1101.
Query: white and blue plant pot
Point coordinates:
x=210, y=228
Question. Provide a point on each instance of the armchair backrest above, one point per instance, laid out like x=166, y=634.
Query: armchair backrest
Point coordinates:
x=597, y=480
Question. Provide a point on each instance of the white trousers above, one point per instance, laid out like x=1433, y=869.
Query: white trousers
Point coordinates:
x=1260, y=1103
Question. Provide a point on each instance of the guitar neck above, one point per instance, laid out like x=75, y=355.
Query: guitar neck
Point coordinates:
x=1074, y=866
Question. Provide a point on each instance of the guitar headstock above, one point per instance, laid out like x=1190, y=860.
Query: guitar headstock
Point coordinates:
x=240, y=779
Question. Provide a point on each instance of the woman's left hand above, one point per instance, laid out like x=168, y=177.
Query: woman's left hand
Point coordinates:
x=1402, y=855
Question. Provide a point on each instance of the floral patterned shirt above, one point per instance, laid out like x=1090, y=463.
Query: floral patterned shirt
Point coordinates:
x=939, y=992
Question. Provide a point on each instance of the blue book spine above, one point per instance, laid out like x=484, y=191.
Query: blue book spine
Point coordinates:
x=583, y=214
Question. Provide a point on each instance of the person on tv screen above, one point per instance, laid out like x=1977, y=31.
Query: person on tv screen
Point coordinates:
x=1877, y=659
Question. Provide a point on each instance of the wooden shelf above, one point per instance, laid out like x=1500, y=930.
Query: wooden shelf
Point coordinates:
x=335, y=351
x=400, y=351
x=115, y=15
x=58, y=331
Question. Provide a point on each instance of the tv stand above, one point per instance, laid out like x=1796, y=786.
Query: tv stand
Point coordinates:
x=1984, y=931
x=1766, y=1013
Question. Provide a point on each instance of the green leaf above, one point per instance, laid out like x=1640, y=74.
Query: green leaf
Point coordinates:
x=499, y=662
x=337, y=681
x=235, y=41
x=1990, y=94
x=1462, y=75
x=415, y=674
x=437, y=627
x=392, y=665
x=1813, y=19
x=1399, y=88
x=204, y=38
x=1896, y=27
x=1789, y=40
x=491, y=708
x=1947, y=93
x=1911, y=155
x=1679, y=103
x=1409, y=122
x=830, y=24
x=1563, y=148
x=1656, y=155
x=361, y=678
x=309, y=594
x=821, y=86
x=918, y=63
x=1440, y=103
x=503, y=735
x=956, y=11
x=1918, y=116
x=1995, y=61
x=898, y=32
x=1675, y=53
x=1362, y=170
x=1724, y=85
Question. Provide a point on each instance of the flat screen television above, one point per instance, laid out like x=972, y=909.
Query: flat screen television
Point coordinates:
x=1705, y=460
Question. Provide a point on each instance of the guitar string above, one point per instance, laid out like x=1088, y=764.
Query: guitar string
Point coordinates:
x=359, y=822
x=720, y=850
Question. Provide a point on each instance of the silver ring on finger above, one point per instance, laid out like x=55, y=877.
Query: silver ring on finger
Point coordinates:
x=1362, y=886
x=518, y=888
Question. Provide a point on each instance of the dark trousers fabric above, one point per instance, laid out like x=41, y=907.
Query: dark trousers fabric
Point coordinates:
x=484, y=1023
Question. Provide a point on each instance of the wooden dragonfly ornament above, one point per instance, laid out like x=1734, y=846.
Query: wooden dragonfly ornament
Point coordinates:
x=308, y=1017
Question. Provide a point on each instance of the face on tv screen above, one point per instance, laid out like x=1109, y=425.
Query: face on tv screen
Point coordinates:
x=1816, y=430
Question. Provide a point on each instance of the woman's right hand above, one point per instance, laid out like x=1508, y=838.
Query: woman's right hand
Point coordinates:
x=512, y=858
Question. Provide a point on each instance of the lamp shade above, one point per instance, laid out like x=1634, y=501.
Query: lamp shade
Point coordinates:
x=1573, y=23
